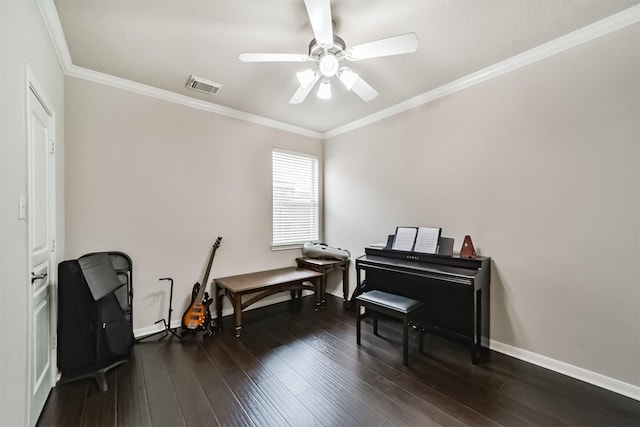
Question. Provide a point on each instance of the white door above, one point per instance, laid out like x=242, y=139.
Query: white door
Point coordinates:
x=40, y=202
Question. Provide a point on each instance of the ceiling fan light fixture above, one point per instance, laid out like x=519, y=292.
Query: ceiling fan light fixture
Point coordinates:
x=348, y=77
x=306, y=77
x=328, y=64
x=327, y=51
x=324, y=90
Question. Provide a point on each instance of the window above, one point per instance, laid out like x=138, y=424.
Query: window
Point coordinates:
x=295, y=198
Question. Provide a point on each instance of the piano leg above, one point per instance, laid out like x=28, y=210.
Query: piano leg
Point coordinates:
x=476, y=334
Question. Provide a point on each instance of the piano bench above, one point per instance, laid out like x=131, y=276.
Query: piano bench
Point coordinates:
x=392, y=305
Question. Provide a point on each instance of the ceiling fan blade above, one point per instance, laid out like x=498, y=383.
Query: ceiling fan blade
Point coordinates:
x=302, y=92
x=273, y=57
x=352, y=81
x=319, y=12
x=396, y=45
x=347, y=76
x=364, y=90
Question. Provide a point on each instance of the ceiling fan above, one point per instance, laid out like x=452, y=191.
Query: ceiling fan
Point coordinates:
x=327, y=51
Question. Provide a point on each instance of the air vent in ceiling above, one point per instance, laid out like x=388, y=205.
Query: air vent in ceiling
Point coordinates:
x=202, y=85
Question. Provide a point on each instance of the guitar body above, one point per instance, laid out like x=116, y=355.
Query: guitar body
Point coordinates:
x=198, y=316
x=195, y=316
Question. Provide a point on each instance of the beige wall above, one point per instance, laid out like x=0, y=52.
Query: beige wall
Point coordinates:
x=541, y=167
x=160, y=182
x=23, y=42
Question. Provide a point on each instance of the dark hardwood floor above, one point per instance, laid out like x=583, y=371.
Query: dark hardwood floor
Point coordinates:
x=293, y=366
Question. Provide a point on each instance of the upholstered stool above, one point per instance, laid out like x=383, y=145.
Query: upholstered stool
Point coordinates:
x=392, y=305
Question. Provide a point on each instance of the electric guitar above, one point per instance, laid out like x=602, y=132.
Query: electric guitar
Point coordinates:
x=197, y=315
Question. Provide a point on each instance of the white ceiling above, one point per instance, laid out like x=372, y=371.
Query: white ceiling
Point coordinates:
x=161, y=43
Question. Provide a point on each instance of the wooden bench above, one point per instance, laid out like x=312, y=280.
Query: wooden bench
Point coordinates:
x=326, y=266
x=262, y=284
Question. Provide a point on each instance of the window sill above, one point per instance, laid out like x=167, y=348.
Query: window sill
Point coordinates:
x=286, y=247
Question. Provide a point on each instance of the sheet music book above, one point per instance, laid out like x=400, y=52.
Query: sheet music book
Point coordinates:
x=427, y=240
x=417, y=239
x=405, y=238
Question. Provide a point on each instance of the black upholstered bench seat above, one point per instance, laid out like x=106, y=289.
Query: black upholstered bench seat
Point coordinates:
x=397, y=306
x=391, y=301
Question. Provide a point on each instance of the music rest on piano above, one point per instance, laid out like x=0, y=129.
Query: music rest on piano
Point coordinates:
x=455, y=290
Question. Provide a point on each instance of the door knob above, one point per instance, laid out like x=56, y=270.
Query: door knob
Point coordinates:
x=35, y=277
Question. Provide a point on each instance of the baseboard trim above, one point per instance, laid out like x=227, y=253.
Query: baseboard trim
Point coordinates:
x=572, y=371
x=148, y=330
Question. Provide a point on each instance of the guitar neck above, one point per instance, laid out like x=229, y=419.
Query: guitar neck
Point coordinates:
x=200, y=295
x=216, y=245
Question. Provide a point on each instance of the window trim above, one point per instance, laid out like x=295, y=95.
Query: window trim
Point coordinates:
x=316, y=165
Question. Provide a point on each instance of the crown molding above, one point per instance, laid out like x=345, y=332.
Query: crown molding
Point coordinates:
x=590, y=32
x=165, y=95
x=51, y=20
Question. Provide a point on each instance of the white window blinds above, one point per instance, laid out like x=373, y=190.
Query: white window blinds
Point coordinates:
x=295, y=198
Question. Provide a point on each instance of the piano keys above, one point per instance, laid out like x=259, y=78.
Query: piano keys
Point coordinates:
x=455, y=291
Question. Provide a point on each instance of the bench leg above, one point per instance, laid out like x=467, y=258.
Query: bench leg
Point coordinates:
x=323, y=289
x=345, y=281
x=375, y=322
x=358, y=317
x=405, y=342
x=317, y=285
x=237, y=314
x=218, y=295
